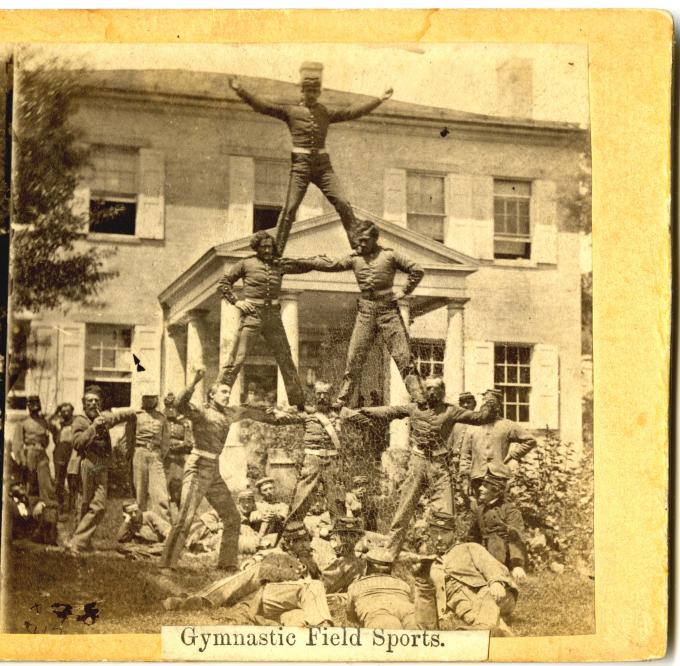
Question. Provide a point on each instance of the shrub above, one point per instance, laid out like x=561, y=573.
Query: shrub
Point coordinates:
x=554, y=490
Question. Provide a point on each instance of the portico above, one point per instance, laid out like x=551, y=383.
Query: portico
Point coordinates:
x=317, y=310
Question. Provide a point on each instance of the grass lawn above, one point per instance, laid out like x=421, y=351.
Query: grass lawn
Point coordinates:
x=128, y=593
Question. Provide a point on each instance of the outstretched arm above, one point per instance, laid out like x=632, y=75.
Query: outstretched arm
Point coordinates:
x=459, y=415
x=316, y=263
x=387, y=413
x=257, y=103
x=182, y=402
x=353, y=112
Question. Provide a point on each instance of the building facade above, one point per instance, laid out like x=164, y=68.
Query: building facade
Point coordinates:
x=190, y=172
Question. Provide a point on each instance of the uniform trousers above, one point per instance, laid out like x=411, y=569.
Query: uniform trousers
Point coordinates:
x=294, y=602
x=148, y=476
x=317, y=169
x=424, y=473
x=174, y=473
x=266, y=322
x=94, y=479
x=383, y=319
x=202, y=479
x=315, y=471
x=39, y=480
x=476, y=607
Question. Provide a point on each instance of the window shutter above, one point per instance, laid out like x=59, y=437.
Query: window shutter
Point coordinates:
x=544, y=387
x=461, y=229
x=146, y=345
x=544, y=222
x=42, y=372
x=71, y=354
x=150, y=221
x=241, y=196
x=482, y=212
x=478, y=366
x=395, y=196
x=80, y=207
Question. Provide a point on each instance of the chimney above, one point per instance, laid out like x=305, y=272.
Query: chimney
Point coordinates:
x=514, y=88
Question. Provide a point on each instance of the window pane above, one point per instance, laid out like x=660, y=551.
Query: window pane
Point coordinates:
x=428, y=225
x=513, y=355
x=523, y=413
x=512, y=374
x=524, y=375
x=511, y=412
x=525, y=355
x=425, y=370
x=499, y=374
x=523, y=394
x=511, y=250
x=437, y=369
x=438, y=353
x=510, y=394
x=112, y=217
x=499, y=353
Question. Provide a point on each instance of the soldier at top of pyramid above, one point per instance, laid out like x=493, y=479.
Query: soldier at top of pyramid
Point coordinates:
x=308, y=123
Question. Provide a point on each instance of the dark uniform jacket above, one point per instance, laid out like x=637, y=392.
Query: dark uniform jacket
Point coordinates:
x=63, y=441
x=315, y=434
x=431, y=427
x=374, y=273
x=93, y=445
x=308, y=125
x=180, y=439
x=210, y=425
x=499, y=528
x=261, y=280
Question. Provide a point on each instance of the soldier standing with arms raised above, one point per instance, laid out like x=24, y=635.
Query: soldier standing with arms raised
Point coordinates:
x=308, y=123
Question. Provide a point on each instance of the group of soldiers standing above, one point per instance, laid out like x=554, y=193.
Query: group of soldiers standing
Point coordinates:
x=291, y=574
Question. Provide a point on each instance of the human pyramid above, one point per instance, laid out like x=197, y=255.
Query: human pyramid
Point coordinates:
x=289, y=580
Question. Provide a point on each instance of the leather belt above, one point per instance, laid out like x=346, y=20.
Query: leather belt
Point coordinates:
x=262, y=301
x=435, y=453
x=309, y=151
x=322, y=453
x=204, y=454
x=377, y=294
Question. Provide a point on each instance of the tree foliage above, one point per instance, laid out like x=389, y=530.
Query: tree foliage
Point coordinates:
x=51, y=262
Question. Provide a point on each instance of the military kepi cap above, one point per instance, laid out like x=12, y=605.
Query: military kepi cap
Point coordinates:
x=494, y=481
x=348, y=524
x=93, y=389
x=263, y=480
x=295, y=530
x=311, y=73
x=360, y=480
x=495, y=393
x=466, y=396
x=246, y=493
x=380, y=556
x=442, y=520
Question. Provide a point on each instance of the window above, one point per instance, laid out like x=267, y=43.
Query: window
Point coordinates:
x=108, y=362
x=271, y=188
x=429, y=355
x=512, y=229
x=426, y=210
x=113, y=200
x=19, y=362
x=512, y=375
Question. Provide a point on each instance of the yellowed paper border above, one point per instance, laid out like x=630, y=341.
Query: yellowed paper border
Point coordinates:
x=630, y=78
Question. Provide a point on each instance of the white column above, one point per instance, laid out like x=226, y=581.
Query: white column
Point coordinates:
x=174, y=372
x=289, y=317
x=195, y=338
x=454, y=358
x=398, y=394
x=233, y=461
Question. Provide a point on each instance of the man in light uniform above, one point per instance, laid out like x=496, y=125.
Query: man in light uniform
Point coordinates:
x=467, y=582
x=321, y=464
x=270, y=513
x=147, y=438
x=495, y=448
x=282, y=585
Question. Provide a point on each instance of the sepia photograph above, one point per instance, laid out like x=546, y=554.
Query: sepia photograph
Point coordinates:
x=300, y=335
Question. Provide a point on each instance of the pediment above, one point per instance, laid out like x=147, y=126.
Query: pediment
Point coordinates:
x=325, y=235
